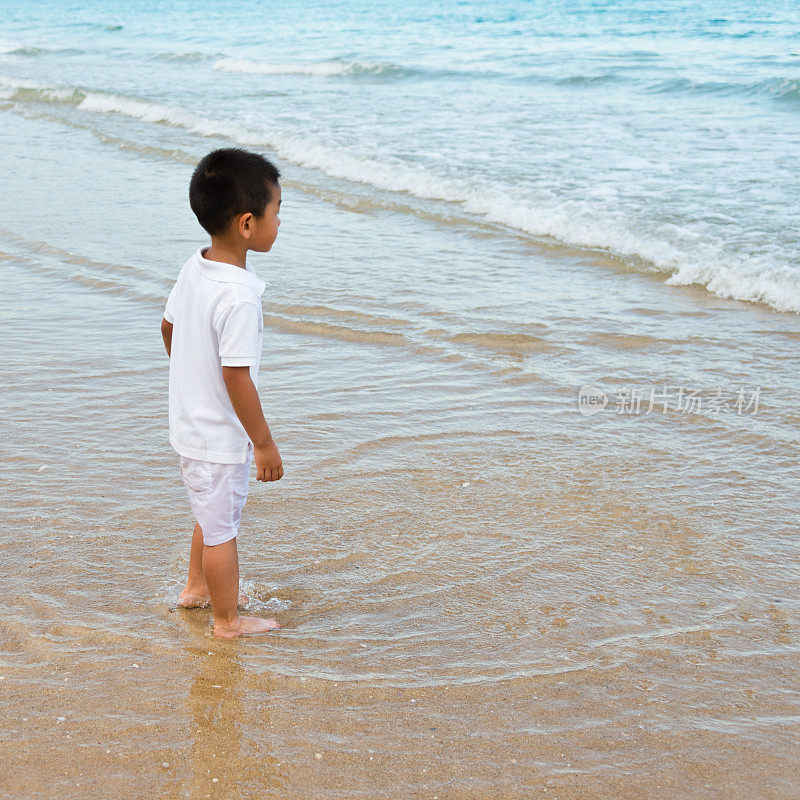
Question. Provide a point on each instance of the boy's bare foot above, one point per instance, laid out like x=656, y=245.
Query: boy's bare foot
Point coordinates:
x=193, y=599
x=245, y=626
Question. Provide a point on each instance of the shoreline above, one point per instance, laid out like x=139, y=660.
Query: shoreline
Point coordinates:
x=482, y=591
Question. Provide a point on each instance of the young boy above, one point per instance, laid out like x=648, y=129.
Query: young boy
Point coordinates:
x=212, y=330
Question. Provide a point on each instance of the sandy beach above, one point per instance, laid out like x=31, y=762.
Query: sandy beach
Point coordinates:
x=486, y=589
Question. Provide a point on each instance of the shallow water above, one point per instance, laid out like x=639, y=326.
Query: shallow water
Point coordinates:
x=483, y=591
x=665, y=135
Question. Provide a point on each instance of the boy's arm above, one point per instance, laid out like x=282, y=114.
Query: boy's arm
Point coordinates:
x=246, y=404
x=166, y=335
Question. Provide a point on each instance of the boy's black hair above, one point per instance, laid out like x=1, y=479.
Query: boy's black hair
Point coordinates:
x=229, y=182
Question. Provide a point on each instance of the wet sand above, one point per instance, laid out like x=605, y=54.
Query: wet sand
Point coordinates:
x=482, y=592
x=432, y=645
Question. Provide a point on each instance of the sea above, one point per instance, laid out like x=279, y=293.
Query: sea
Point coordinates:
x=531, y=334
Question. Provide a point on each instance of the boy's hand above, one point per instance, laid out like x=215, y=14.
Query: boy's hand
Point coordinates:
x=166, y=335
x=269, y=466
x=245, y=402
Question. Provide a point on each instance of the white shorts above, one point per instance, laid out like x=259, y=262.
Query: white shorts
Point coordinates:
x=217, y=494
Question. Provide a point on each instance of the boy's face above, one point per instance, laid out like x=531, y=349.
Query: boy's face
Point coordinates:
x=265, y=229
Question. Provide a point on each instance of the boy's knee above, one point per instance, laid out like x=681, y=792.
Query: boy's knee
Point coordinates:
x=216, y=541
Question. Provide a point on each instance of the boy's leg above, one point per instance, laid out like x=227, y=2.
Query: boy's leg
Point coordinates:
x=196, y=591
x=221, y=568
x=196, y=578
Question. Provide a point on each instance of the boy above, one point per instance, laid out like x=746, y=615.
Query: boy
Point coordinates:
x=212, y=330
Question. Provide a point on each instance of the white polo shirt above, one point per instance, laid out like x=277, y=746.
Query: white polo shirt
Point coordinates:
x=216, y=312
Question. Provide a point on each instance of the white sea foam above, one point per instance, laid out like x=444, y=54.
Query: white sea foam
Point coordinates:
x=320, y=69
x=759, y=281
x=687, y=255
x=109, y=103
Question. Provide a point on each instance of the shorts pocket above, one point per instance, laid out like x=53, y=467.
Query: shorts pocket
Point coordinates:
x=196, y=475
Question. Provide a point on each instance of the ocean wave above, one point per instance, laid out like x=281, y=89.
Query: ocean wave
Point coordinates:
x=586, y=80
x=192, y=57
x=119, y=286
x=760, y=281
x=549, y=79
x=98, y=26
x=318, y=69
x=20, y=50
x=781, y=87
x=684, y=255
x=512, y=343
x=22, y=90
x=343, y=67
x=330, y=330
x=680, y=253
x=110, y=103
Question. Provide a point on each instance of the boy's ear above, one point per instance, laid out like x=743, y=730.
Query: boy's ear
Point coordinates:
x=245, y=226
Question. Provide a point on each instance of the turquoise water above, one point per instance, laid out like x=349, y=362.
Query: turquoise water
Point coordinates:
x=664, y=134
x=483, y=591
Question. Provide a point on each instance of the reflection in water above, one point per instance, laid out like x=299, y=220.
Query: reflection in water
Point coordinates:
x=491, y=593
x=217, y=704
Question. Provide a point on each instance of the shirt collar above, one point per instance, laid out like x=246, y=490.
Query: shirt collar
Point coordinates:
x=228, y=273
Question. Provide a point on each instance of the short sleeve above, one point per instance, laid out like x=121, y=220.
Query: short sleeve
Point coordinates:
x=169, y=310
x=239, y=336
